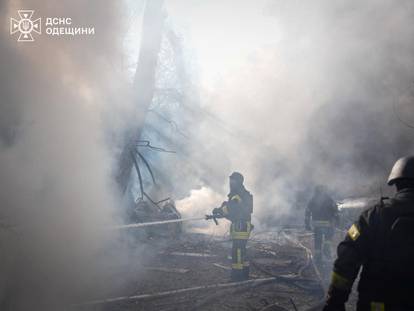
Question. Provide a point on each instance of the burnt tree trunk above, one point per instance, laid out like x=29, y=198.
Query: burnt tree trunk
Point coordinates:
x=144, y=83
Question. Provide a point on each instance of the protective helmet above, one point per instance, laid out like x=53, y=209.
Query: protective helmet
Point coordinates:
x=237, y=177
x=402, y=169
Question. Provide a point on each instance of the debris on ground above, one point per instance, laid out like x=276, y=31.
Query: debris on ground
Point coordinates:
x=192, y=273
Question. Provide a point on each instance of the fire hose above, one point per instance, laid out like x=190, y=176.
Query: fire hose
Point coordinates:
x=177, y=291
x=214, y=217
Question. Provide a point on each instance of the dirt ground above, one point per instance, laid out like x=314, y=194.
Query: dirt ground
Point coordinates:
x=197, y=260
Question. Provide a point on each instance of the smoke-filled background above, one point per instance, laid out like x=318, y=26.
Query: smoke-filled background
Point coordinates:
x=57, y=191
x=309, y=92
x=290, y=93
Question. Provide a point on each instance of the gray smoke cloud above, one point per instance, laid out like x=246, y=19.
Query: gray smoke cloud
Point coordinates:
x=306, y=93
x=303, y=93
x=59, y=96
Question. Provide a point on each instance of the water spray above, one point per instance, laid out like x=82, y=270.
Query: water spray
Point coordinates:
x=170, y=221
x=161, y=222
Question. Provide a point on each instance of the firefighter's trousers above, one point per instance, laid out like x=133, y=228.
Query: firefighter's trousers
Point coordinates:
x=240, y=232
x=324, y=232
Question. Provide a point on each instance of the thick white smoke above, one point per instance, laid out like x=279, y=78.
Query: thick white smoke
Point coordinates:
x=199, y=203
x=293, y=93
x=58, y=95
x=303, y=93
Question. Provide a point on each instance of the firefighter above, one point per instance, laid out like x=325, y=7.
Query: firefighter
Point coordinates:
x=382, y=242
x=323, y=211
x=238, y=209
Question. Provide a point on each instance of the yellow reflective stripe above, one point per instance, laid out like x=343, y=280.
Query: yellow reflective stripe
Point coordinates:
x=248, y=227
x=239, y=256
x=236, y=198
x=237, y=266
x=353, y=232
x=240, y=235
x=377, y=306
x=340, y=282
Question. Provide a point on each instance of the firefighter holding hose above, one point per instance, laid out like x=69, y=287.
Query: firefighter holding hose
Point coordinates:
x=238, y=209
x=323, y=212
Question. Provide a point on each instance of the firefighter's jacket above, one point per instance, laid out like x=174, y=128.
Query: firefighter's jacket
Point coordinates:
x=382, y=242
x=322, y=209
x=238, y=209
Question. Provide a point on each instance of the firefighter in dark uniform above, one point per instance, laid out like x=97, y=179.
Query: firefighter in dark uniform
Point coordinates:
x=238, y=209
x=323, y=211
x=382, y=242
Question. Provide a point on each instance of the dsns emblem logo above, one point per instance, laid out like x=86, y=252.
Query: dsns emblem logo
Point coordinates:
x=25, y=26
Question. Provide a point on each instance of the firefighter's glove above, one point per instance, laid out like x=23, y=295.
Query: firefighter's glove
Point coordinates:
x=217, y=211
x=336, y=298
